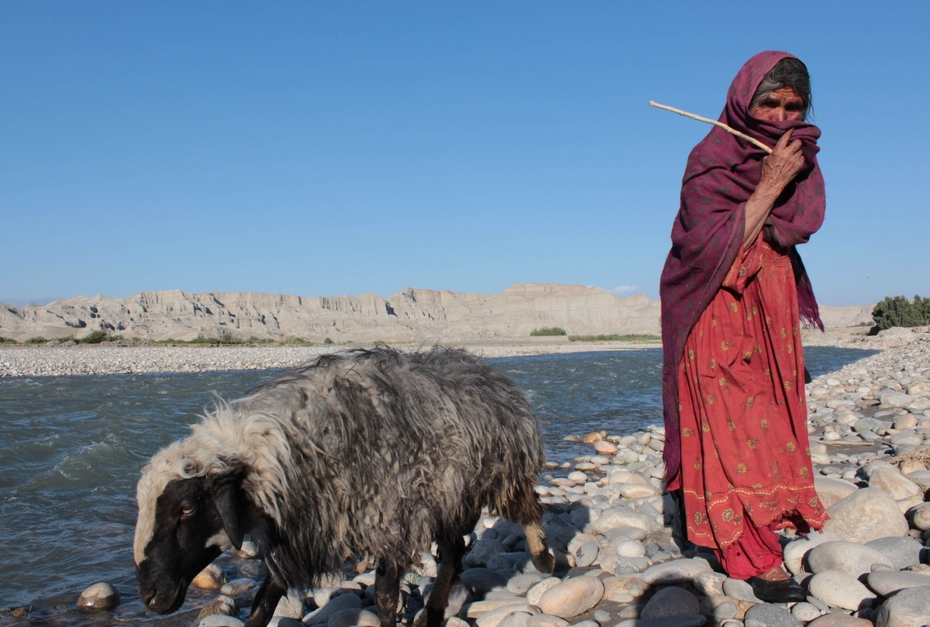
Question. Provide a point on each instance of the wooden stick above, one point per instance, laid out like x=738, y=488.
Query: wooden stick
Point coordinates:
x=653, y=103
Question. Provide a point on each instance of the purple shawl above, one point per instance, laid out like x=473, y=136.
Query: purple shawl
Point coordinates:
x=721, y=174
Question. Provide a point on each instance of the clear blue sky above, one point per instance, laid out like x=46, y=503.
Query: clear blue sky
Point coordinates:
x=327, y=148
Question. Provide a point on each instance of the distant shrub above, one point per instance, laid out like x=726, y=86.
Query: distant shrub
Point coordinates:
x=547, y=331
x=293, y=341
x=6, y=340
x=900, y=312
x=327, y=341
x=94, y=337
x=36, y=340
x=613, y=337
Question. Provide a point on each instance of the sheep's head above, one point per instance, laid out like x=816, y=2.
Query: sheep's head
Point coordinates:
x=182, y=527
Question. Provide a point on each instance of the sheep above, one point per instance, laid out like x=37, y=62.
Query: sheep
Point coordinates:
x=366, y=452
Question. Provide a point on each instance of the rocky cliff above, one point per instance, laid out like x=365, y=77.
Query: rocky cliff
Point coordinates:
x=423, y=316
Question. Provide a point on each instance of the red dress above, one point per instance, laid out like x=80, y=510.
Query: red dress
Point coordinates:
x=746, y=467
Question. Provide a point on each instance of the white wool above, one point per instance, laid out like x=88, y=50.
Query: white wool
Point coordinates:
x=256, y=441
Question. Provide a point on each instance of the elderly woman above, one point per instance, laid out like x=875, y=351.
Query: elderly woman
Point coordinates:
x=733, y=293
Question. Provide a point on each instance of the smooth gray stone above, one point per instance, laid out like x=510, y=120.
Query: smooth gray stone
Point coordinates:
x=709, y=583
x=670, y=601
x=768, y=615
x=865, y=515
x=689, y=620
x=482, y=580
x=839, y=589
x=900, y=552
x=522, y=583
x=99, y=596
x=805, y=612
x=889, y=582
x=335, y=604
x=354, y=616
x=675, y=571
x=483, y=550
x=586, y=554
x=847, y=557
x=741, y=590
x=796, y=550
x=908, y=608
x=220, y=620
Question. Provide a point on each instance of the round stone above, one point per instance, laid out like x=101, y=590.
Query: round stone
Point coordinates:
x=220, y=620
x=668, y=602
x=908, y=608
x=675, y=571
x=889, y=582
x=238, y=587
x=839, y=590
x=586, y=554
x=920, y=517
x=900, y=552
x=709, y=583
x=572, y=597
x=866, y=515
x=335, y=604
x=768, y=615
x=795, y=551
x=353, y=616
x=523, y=582
x=210, y=578
x=99, y=596
x=535, y=593
x=805, y=612
x=847, y=557
x=630, y=548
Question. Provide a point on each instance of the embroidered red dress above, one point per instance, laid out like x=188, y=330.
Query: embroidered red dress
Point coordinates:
x=746, y=467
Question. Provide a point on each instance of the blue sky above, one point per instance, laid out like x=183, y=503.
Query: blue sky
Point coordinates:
x=327, y=148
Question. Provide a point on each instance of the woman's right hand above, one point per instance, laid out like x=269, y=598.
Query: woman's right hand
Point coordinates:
x=780, y=167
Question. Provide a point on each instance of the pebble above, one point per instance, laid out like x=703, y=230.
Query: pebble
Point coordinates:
x=768, y=615
x=740, y=590
x=98, y=596
x=839, y=620
x=210, y=578
x=865, y=515
x=572, y=597
x=353, y=616
x=669, y=602
x=335, y=604
x=908, y=608
x=848, y=557
x=220, y=620
x=887, y=583
x=675, y=571
x=795, y=551
x=839, y=589
x=901, y=553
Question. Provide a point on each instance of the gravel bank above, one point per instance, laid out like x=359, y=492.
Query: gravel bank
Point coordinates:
x=29, y=361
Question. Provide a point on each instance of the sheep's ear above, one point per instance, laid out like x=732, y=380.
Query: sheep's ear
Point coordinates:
x=225, y=492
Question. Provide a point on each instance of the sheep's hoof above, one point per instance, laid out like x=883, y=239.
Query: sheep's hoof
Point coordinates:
x=544, y=562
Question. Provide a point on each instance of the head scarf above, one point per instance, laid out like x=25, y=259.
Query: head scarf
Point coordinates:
x=722, y=173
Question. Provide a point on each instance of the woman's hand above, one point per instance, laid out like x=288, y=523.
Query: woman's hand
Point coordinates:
x=780, y=167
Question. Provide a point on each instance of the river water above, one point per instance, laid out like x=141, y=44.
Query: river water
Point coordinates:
x=71, y=449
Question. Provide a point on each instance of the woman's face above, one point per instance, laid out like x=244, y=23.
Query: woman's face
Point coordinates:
x=780, y=105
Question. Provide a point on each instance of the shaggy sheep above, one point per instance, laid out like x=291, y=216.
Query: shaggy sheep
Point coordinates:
x=371, y=452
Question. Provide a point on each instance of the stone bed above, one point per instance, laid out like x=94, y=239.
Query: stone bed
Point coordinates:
x=610, y=527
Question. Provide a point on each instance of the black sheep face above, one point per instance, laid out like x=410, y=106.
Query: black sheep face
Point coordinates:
x=195, y=520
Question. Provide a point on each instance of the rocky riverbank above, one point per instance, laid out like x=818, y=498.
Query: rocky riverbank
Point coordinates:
x=620, y=563
x=32, y=361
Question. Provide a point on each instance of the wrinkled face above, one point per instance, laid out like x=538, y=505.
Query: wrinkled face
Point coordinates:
x=186, y=535
x=780, y=105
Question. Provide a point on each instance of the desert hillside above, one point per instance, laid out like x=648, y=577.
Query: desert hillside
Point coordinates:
x=415, y=315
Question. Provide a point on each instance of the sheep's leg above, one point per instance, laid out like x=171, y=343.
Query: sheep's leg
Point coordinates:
x=450, y=560
x=387, y=589
x=531, y=519
x=266, y=600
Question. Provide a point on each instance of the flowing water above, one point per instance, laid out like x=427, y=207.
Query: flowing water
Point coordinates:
x=71, y=449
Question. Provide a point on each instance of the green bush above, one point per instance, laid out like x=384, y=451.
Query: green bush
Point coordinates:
x=900, y=312
x=36, y=340
x=613, y=337
x=6, y=340
x=545, y=331
x=94, y=337
x=327, y=341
